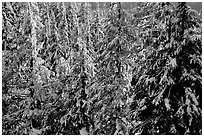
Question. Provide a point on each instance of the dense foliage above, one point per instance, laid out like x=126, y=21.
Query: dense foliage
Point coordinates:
x=69, y=69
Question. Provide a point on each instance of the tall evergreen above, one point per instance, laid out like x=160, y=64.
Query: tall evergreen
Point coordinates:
x=170, y=87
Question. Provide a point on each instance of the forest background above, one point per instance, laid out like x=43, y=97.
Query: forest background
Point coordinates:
x=75, y=68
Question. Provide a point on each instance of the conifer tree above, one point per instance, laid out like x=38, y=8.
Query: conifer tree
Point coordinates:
x=165, y=90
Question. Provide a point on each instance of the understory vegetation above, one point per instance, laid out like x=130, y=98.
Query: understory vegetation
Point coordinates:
x=70, y=69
